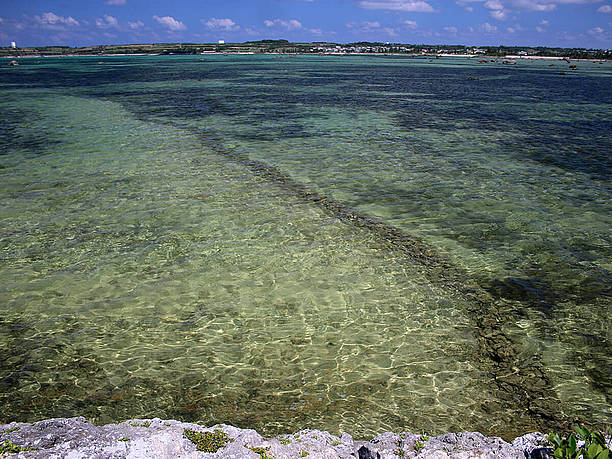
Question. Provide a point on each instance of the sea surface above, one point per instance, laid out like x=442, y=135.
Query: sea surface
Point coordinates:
x=354, y=243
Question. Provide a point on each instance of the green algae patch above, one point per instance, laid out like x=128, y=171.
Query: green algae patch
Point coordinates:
x=263, y=452
x=209, y=442
x=142, y=424
x=9, y=447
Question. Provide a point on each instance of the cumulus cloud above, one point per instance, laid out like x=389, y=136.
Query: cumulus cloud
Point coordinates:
x=604, y=9
x=497, y=10
x=596, y=31
x=53, y=21
x=539, y=29
x=221, y=24
x=465, y=5
x=501, y=9
x=107, y=22
x=372, y=27
x=488, y=28
x=291, y=24
x=411, y=24
x=415, y=6
x=494, y=5
x=451, y=29
x=135, y=25
x=170, y=23
x=499, y=14
x=115, y=2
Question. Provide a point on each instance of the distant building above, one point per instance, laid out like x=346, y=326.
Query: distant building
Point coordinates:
x=13, y=45
x=221, y=42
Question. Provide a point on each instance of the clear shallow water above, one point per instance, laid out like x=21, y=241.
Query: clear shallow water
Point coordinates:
x=357, y=244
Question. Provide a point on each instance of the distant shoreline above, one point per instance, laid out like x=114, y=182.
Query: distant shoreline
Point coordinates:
x=214, y=53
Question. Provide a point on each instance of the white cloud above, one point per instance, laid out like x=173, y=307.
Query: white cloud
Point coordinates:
x=115, y=2
x=497, y=9
x=136, y=25
x=488, y=28
x=52, y=20
x=464, y=5
x=502, y=9
x=499, y=14
x=596, y=31
x=108, y=21
x=416, y=6
x=372, y=27
x=511, y=29
x=539, y=29
x=451, y=29
x=316, y=31
x=604, y=9
x=221, y=24
x=170, y=23
x=291, y=24
x=494, y=5
x=543, y=22
x=411, y=24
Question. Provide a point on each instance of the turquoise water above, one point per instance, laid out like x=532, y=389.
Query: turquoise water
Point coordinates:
x=347, y=243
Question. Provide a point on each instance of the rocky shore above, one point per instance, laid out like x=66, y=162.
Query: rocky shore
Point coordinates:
x=156, y=438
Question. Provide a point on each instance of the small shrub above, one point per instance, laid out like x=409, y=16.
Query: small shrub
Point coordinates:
x=304, y=453
x=594, y=446
x=124, y=439
x=284, y=441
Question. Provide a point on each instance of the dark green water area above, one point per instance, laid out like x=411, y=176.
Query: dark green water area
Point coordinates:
x=352, y=244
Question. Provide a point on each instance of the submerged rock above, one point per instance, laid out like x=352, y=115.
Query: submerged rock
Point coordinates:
x=141, y=438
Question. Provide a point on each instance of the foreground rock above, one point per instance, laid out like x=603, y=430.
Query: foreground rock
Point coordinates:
x=156, y=438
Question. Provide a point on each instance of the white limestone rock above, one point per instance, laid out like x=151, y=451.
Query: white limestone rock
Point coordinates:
x=75, y=438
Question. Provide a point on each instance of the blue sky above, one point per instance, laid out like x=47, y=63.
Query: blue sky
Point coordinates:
x=566, y=23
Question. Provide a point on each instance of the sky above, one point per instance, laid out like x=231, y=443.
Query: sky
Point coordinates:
x=561, y=23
